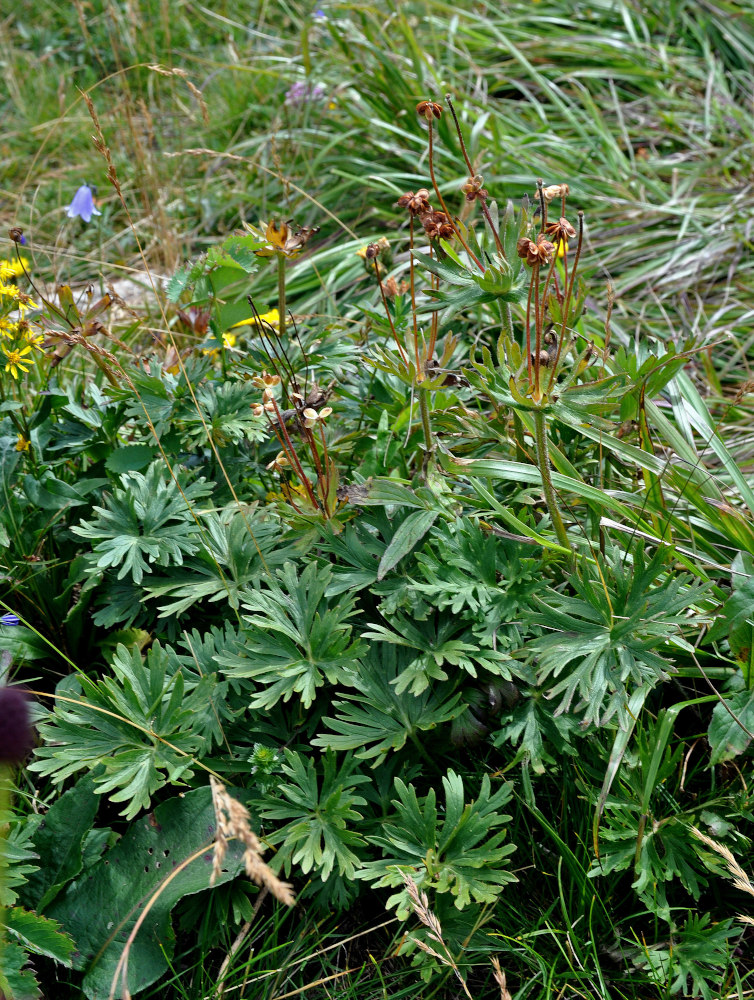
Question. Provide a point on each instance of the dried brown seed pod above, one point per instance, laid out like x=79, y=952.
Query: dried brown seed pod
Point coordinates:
x=560, y=231
x=428, y=110
x=535, y=253
x=415, y=204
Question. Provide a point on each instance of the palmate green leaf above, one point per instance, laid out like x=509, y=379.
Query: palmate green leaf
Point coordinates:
x=543, y=737
x=294, y=642
x=17, y=859
x=142, y=868
x=138, y=724
x=317, y=835
x=17, y=979
x=700, y=951
x=597, y=651
x=461, y=853
x=239, y=548
x=377, y=719
x=147, y=522
x=438, y=645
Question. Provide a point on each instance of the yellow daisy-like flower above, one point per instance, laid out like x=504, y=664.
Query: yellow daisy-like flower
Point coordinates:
x=10, y=269
x=17, y=361
x=22, y=443
x=8, y=328
x=23, y=301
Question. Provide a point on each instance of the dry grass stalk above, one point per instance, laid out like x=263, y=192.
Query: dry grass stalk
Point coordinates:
x=741, y=880
x=156, y=68
x=233, y=822
x=420, y=905
x=500, y=979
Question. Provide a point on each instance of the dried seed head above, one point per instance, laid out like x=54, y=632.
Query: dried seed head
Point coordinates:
x=437, y=226
x=560, y=231
x=265, y=381
x=415, y=204
x=428, y=110
x=278, y=462
x=233, y=821
x=473, y=188
x=535, y=253
x=15, y=726
x=553, y=191
x=17, y=235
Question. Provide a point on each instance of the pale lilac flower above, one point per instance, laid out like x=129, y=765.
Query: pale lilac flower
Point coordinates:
x=303, y=92
x=83, y=204
x=319, y=14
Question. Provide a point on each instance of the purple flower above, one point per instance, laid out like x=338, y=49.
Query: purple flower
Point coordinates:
x=15, y=726
x=319, y=14
x=10, y=619
x=303, y=92
x=83, y=204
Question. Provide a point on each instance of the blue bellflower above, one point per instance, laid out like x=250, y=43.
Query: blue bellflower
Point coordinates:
x=10, y=619
x=83, y=204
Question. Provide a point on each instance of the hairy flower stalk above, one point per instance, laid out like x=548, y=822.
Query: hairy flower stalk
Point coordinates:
x=543, y=462
x=482, y=200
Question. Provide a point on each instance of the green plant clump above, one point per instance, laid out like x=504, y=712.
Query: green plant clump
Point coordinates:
x=377, y=522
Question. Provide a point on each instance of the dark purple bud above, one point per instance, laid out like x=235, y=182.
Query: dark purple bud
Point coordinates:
x=15, y=726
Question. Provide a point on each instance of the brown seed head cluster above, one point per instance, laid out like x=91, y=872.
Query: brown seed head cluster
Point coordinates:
x=539, y=252
x=233, y=822
x=415, y=204
x=437, y=226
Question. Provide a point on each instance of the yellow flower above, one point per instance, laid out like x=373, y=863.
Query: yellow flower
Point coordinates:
x=22, y=300
x=8, y=328
x=10, y=269
x=229, y=340
x=562, y=248
x=22, y=443
x=271, y=318
x=17, y=361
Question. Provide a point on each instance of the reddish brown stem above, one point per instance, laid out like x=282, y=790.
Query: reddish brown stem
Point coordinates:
x=461, y=240
x=389, y=317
